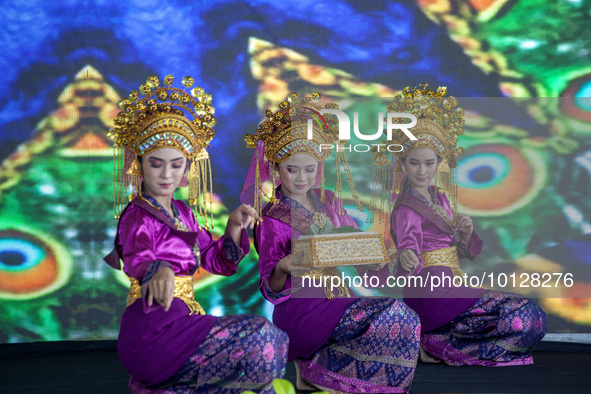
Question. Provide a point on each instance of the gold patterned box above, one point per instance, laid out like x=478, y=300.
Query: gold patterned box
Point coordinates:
x=334, y=250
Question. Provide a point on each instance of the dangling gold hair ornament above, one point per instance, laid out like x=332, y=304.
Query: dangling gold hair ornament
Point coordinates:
x=285, y=133
x=164, y=117
x=381, y=182
x=439, y=124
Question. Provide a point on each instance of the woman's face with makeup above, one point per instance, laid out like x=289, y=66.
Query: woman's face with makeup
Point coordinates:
x=420, y=166
x=163, y=171
x=298, y=175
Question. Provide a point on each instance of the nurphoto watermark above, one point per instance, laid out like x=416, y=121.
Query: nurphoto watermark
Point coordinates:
x=345, y=130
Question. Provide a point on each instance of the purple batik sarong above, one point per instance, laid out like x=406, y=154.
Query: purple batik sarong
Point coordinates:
x=500, y=329
x=243, y=352
x=374, y=349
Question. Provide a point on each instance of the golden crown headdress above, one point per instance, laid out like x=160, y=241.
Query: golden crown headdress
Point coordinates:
x=284, y=133
x=163, y=117
x=439, y=124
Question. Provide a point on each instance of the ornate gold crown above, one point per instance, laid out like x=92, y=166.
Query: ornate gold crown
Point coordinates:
x=165, y=117
x=439, y=122
x=285, y=132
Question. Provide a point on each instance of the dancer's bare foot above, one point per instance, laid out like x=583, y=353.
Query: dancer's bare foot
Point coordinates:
x=427, y=358
x=301, y=384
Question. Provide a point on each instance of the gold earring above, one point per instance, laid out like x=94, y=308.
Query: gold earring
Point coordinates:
x=135, y=178
x=135, y=168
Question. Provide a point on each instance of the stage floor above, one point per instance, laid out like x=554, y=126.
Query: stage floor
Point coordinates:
x=93, y=367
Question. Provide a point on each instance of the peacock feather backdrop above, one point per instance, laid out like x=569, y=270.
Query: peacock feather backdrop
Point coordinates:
x=522, y=68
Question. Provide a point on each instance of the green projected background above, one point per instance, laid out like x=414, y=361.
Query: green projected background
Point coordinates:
x=525, y=175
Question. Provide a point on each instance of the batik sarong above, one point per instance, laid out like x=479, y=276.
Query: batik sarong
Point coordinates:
x=242, y=352
x=374, y=349
x=500, y=329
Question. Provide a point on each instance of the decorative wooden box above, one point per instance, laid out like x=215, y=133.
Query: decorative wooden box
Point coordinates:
x=334, y=250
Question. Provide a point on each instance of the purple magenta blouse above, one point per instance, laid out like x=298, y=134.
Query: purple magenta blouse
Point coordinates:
x=154, y=344
x=309, y=322
x=416, y=226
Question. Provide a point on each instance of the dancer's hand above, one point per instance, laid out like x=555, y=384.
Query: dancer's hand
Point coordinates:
x=279, y=274
x=464, y=223
x=161, y=288
x=290, y=265
x=465, y=227
x=284, y=265
x=241, y=218
x=408, y=260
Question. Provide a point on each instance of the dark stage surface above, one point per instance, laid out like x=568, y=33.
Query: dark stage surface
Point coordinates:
x=93, y=367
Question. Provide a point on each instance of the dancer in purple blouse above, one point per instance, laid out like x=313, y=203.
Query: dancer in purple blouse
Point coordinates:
x=460, y=325
x=338, y=344
x=167, y=342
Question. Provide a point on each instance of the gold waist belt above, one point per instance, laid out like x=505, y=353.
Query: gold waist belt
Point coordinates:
x=445, y=257
x=343, y=291
x=183, y=289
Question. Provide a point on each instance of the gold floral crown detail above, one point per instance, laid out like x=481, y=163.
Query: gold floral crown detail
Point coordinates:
x=439, y=124
x=285, y=131
x=439, y=121
x=165, y=117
